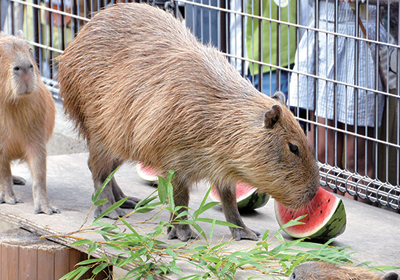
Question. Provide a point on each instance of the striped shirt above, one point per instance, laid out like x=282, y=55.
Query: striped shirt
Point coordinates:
x=336, y=101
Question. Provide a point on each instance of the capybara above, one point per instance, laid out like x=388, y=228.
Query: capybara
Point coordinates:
x=27, y=115
x=315, y=270
x=140, y=87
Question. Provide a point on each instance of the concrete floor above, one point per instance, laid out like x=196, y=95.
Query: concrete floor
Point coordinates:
x=374, y=233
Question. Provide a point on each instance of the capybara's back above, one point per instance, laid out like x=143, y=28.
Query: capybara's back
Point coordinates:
x=27, y=115
x=315, y=270
x=140, y=87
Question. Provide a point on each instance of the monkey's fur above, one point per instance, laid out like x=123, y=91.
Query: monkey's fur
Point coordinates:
x=315, y=270
x=27, y=115
x=140, y=87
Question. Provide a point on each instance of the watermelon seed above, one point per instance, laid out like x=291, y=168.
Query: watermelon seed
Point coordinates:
x=329, y=200
x=321, y=212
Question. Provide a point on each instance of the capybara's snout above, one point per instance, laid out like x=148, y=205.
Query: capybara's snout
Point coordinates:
x=23, y=74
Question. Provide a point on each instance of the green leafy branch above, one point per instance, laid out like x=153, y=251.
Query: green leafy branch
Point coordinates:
x=146, y=256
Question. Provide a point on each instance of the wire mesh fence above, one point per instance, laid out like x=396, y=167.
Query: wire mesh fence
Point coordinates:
x=336, y=62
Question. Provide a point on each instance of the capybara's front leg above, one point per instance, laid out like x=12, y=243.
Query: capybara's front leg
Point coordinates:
x=130, y=202
x=7, y=194
x=101, y=165
x=36, y=158
x=181, y=198
x=232, y=215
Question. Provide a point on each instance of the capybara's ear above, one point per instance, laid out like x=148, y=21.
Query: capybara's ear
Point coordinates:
x=20, y=34
x=391, y=276
x=272, y=116
x=279, y=96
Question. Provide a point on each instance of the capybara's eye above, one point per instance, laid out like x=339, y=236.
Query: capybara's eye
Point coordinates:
x=293, y=276
x=294, y=149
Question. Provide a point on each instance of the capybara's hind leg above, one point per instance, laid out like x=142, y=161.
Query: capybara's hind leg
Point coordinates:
x=118, y=195
x=7, y=194
x=18, y=180
x=101, y=167
x=232, y=215
x=181, y=198
x=36, y=158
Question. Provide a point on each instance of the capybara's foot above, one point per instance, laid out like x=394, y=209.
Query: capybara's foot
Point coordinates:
x=42, y=205
x=244, y=233
x=18, y=180
x=181, y=232
x=115, y=214
x=46, y=210
x=130, y=202
x=9, y=198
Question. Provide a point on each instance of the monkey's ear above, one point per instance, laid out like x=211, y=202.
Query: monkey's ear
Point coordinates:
x=279, y=96
x=272, y=116
x=20, y=34
x=391, y=276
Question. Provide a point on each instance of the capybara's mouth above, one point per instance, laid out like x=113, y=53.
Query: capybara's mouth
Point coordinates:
x=303, y=200
x=308, y=196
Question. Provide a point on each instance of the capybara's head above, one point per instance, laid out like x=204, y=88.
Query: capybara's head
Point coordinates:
x=318, y=270
x=18, y=72
x=276, y=156
x=139, y=85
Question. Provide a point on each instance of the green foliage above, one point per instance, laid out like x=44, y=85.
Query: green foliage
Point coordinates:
x=272, y=257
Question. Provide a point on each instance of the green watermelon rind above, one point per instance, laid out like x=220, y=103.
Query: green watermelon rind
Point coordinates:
x=252, y=201
x=332, y=228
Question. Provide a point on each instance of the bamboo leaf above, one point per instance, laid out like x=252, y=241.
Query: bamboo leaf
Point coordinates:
x=89, y=261
x=99, y=268
x=82, y=271
x=162, y=190
x=111, y=208
x=100, y=202
x=218, y=222
x=212, y=228
x=200, y=209
x=108, y=179
x=80, y=242
x=170, y=191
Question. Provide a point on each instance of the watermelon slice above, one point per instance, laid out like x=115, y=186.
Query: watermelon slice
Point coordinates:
x=326, y=217
x=147, y=173
x=247, y=197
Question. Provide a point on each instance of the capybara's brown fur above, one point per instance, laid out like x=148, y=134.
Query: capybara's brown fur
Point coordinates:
x=27, y=115
x=315, y=270
x=140, y=87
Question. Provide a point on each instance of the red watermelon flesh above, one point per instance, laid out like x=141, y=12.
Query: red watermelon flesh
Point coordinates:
x=147, y=173
x=247, y=197
x=326, y=217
